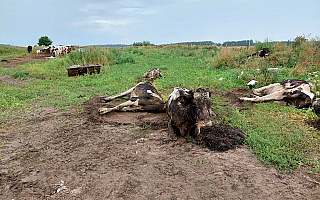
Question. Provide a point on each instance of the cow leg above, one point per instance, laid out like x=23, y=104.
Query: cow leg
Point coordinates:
x=172, y=133
x=197, y=130
x=266, y=90
x=185, y=130
x=274, y=96
x=119, y=107
x=110, y=98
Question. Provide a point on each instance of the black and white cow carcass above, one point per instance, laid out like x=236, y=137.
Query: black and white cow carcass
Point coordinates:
x=153, y=74
x=189, y=111
x=262, y=53
x=289, y=92
x=143, y=96
x=316, y=106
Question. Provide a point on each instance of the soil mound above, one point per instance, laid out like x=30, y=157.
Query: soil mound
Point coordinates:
x=221, y=138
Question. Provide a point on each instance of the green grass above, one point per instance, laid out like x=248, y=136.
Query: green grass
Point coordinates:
x=7, y=52
x=276, y=134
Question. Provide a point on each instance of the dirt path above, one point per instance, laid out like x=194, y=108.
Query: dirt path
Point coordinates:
x=27, y=58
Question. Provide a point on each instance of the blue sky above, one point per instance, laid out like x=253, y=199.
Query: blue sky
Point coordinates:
x=84, y=22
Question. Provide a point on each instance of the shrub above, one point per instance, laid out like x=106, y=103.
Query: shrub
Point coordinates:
x=88, y=55
x=266, y=44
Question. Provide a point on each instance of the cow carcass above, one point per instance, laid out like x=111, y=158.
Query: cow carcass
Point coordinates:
x=143, y=96
x=153, y=74
x=290, y=92
x=262, y=53
x=189, y=111
x=316, y=106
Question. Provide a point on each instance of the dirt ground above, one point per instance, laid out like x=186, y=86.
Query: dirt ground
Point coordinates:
x=26, y=58
x=128, y=155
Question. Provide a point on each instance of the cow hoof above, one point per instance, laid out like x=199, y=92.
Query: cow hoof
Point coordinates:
x=173, y=137
x=105, y=100
x=104, y=110
x=240, y=99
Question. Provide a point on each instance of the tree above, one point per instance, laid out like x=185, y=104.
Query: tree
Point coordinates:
x=44, y=40
x=144, y=43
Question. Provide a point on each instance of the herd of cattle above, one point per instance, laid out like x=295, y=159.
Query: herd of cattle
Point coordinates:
x=54, y=50
x=190, y=110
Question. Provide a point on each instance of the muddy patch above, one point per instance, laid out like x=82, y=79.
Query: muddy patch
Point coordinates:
x=11, y=81
x=27, y=58
x=217, y=137
x=233, y=97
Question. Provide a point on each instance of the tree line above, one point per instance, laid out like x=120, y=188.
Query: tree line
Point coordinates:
x=44, y=40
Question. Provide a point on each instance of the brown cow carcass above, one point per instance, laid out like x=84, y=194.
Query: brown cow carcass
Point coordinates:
x=143, y=96
x=290, y=92
x=316, y=106
x=188, y=111
x=153, y=74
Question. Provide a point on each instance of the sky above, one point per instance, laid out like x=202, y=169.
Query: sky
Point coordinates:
x=99, y=22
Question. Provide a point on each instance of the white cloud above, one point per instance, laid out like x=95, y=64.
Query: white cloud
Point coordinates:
x=136, y=11
x=99, y=25
x=103, y=22
x=84, y=10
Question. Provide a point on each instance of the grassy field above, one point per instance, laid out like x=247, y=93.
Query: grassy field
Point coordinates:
x=276, y=134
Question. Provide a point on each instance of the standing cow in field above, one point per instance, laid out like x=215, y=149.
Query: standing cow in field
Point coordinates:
x=29, y=49
x=143, y=96
x=291, y=92
x=189, y=111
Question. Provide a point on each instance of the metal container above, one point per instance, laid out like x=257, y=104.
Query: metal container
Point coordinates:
x=76, y=70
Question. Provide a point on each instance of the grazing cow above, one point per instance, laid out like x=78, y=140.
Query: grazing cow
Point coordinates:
x=153, y=74
x=188, y=111
x=143, y=96
x=262, y=53
x=29, y=49
x=291, y=92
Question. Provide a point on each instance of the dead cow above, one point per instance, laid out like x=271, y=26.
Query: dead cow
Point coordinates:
x=291, y=92
x=153, y=74
x=262, y=53
x=143, y=96
x=316, y=106
x=188, y=111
